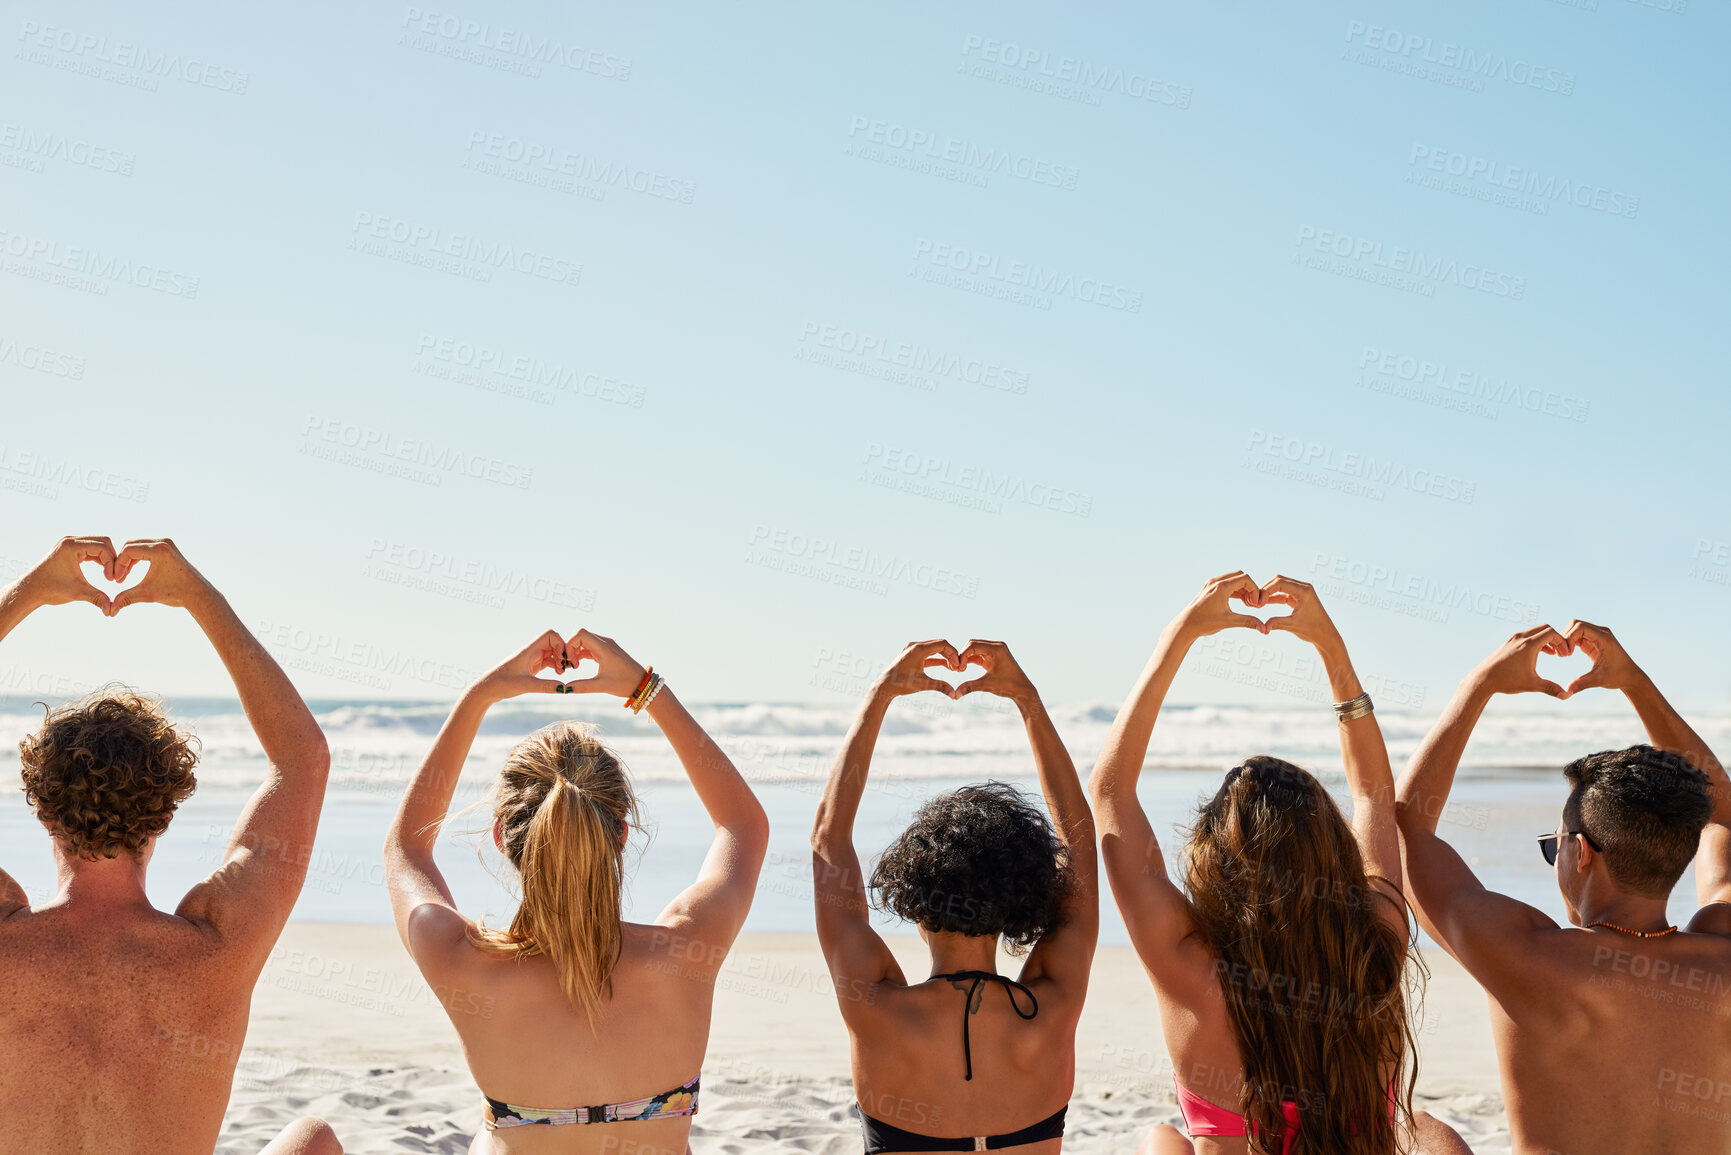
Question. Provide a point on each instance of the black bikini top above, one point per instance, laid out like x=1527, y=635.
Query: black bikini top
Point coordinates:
x=976, y=981
x=882, y=1137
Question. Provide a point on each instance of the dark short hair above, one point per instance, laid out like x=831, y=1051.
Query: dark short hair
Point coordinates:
x=979, y=860
x=1645, y=808
x=106, y=772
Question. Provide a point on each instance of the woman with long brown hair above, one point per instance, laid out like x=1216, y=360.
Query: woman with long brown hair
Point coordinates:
x=1280, y=956
x=571, y=1006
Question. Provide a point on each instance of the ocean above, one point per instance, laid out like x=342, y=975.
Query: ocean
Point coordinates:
x=1509, y=788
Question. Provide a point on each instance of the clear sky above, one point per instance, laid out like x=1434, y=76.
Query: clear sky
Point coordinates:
x=768, y=337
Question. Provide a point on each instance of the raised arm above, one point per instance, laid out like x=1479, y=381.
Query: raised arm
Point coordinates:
x=1363, y=751
x=857, y=956
x=1065, y=955
x=1484, y=930
x=1154, y=908
x=712, y=909
x=426, y=914
x=54, y=581
x=1613, y=669
x=249, y=897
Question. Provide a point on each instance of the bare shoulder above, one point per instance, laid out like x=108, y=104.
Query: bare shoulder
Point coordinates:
x=150, y=955
x=1568, y=970
x=1713, y=919
x=1188, y=973
x=892, y=1008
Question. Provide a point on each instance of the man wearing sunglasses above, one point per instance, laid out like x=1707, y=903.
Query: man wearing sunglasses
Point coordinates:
x=1613, y=1033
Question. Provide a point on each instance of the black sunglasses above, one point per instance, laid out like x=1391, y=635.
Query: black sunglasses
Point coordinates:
x=1548, y=844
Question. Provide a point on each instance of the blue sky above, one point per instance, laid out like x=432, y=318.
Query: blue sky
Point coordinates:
x=767, y=337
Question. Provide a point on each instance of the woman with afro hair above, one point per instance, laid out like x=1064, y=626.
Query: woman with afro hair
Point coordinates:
x=963, y=1059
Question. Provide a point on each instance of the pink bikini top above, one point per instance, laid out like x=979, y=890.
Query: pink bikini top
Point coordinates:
x=1204, y=1118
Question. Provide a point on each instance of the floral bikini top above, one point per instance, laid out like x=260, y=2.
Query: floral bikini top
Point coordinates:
x=681, y=1100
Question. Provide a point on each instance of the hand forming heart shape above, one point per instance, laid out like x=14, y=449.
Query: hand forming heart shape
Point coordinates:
x=614, y=670
x=1264, y=597
x=98, y=578
x=1563, y=669
x=1514, y=668
x=930, y=665
x=956, y=679
x=62, y=576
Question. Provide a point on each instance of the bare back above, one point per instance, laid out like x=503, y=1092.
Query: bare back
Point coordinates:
x=909, y=1067
x=120, y=1024
x=121, y=1033
x=527, y=1045
x=1614, y=1043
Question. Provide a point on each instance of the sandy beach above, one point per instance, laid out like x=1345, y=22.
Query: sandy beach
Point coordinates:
x=343, y=1027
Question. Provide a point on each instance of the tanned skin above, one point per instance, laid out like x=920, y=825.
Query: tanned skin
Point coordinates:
x=524, y=1040
x=907, y=1036
x=120, y=1024
x=1608, y=1043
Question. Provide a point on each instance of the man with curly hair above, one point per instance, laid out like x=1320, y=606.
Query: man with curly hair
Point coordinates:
x=1613, y=1033
x=120, y=1024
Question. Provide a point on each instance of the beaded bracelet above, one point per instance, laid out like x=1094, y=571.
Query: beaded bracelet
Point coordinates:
x=650, y=696
x=630, y=699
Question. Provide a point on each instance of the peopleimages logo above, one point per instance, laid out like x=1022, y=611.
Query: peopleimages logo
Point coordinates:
x=434, y=241
x=125, y=54
x=464, y=33
x=918, y=359
x=40, y=359
x=1413, y=264
x=1471, y=383
x=557, y=161
x=41, y=146
x=102, y=267
x=1546, y=188
x=1477, y=63
x=1027, y=276
x=1084, y=74
x=929, y=145
x=1364, y=468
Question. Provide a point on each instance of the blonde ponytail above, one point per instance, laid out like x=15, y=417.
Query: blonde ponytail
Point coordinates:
x=564, y=806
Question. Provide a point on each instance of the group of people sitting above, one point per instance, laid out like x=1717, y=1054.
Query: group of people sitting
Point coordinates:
x=1279, y=942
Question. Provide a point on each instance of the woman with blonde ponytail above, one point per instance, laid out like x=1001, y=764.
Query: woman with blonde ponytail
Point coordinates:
x=569, y=1005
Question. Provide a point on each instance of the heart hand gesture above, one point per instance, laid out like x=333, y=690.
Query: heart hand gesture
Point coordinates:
x=1513, y=668
x=1003, y=676
x=517, y=675
x=1613, y=669
x=617, y=674
x=169, y=579
x=907, y=674
x=1212, y=610
x=1308, y=621
x=59, y=578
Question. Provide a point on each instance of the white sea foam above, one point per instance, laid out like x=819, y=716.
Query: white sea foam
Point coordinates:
x=379, y=743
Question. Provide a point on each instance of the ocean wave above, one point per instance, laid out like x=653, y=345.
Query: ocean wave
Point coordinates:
x=377, y=745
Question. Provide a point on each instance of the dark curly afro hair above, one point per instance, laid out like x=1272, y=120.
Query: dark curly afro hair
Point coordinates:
x=976, y=861
x=106, y=772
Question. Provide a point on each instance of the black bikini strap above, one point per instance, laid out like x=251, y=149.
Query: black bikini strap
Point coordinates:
x=975, y=979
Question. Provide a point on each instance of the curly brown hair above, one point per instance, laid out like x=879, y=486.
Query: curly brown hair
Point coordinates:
x=979, y=860
x=106, y=772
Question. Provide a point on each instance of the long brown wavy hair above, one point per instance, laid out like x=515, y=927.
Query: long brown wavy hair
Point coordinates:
x=564, y=807
x=1315, y=981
